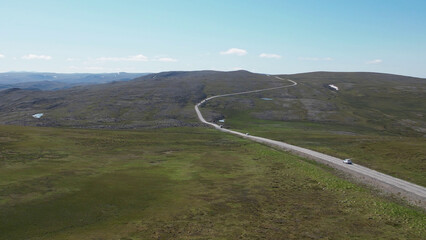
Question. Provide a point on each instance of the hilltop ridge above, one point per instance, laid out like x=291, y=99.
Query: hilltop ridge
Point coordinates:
x=167, y=98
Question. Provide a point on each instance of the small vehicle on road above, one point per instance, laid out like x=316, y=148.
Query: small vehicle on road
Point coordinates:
x=347, y=161
x=247, y=134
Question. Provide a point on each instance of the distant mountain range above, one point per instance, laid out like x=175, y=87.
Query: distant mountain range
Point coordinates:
x=56, y=81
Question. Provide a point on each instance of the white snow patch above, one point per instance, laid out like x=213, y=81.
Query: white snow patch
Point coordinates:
x=38, y=115
x=334, y=87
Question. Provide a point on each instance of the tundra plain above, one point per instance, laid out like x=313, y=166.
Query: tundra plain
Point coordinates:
x=180, y=183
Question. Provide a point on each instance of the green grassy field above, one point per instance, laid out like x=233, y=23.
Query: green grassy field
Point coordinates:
x=180, y=183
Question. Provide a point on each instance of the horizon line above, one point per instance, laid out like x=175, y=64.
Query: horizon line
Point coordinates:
x=215, y=70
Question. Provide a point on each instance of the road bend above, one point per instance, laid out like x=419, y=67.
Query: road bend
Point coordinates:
x=411, y=192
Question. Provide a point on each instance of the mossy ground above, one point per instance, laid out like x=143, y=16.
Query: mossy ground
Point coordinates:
x=180, y=183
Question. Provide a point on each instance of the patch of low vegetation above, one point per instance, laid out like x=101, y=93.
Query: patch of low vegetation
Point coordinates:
x=180, y=183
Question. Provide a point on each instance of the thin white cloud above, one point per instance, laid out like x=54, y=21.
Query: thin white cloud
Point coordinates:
x=234, y=51
x=34, y=56
x=166, y=59
x=72, y=59
x=375, y=61
x=2, y=56
x=269, y=55
x=136, y=58
x=315, y=59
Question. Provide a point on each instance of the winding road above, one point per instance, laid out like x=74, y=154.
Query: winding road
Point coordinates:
x=413, y=193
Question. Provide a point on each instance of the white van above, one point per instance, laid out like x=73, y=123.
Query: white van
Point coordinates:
x=347, y=161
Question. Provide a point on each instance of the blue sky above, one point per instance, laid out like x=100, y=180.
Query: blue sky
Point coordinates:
x=259, y=36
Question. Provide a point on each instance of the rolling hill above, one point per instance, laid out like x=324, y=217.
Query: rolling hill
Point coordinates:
x=389, y=104
x=376, y=119
x=384, y=102
x=156, y=100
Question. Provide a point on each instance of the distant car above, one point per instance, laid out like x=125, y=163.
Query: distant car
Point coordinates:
x=247, y=134
x=347, y=161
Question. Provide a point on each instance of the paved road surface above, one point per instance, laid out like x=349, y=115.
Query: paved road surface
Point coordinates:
x=411, y=192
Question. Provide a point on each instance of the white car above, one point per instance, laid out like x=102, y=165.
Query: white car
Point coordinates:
x=347, y=161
